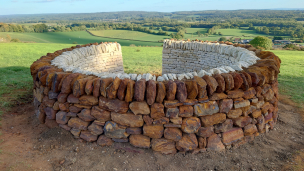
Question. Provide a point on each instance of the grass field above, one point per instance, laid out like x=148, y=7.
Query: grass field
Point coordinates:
x=16, y=58
x=81, y=37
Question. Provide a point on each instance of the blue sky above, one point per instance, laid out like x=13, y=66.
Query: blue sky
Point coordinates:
x=90, y=6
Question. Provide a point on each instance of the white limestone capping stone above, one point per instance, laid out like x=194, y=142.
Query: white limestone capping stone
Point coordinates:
x=149, y=77
x=165, y=77
x=174, y=76
x=160, y=78
x=133, y=76
x=189, y=75
x=154, y=78
x=186, y=76
x=170, y=76
x=138, y=77
x=180, y=76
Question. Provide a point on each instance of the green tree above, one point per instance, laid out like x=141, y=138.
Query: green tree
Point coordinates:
x=261, y=42
x=8, y=38
x=223, y=39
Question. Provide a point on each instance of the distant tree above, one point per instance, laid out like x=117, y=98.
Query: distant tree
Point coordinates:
x=206, y=34
x=223, y=39
x=278, y=38
x=261, y=42
x=220, y=33
x=199, y=33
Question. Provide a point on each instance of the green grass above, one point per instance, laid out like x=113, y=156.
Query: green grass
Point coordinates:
x=291, y=78
x=128, y=34
x=81, y=37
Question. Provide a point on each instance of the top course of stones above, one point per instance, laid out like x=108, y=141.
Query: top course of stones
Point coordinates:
x=181, y=60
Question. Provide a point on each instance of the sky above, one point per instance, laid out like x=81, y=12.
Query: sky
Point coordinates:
x=8, y=7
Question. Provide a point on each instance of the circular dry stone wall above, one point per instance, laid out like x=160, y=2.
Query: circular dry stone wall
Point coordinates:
x=211, y=96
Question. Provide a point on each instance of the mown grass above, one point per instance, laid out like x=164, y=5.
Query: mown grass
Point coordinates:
x=81, y=37
x=291, y=78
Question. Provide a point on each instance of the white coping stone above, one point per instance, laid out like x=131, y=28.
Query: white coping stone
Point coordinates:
x=201, y=73
x=149, y=77
x=133, y=76
x=190, y=75
x=170, y=76
x=187, y=77
x=154, y=78
x=174, y=76
x=160, y=78
x=194, y=73
x=180, y=76
x=138, y=77
x=165, y=77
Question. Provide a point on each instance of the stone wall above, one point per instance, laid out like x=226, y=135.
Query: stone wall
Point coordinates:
x=101, y=58
x=209, y=112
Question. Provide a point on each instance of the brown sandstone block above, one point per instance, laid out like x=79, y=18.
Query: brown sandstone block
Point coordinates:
x=62, y=97
x=202, y=142
x=185, y=111
x=96, y=87
x=61, y=117
x=218, y=96
x=140, y=141
x=161, y=92
x=248, y=78
x=172, y=112
x=170, y=90
x=242, y=121
x=201, y=85
x=241, y=103
x=161, y=121
x=74, y=109
x=64, y=106
x=128, y=119
x=104, y=83
x=213, y=119
x=148, y=120
x=192, y=89
x=177, y=121
x=207, y=108
x=229, y=82
x=254, y=78
x=174, y=134
x=214, y=143
x=139, y=90
x=225, y=105
x=88, y=100
x=238, y=80
x=153, y=131
x=85, y=115
x=75, y=132
x=245, y=86
x=48, y=102
x=112, y=130
x=249, y=94
x=79, y=86
x=50, y=113
x=100, y=114
x=235, y=94
x=78, y=124
x=163, y=146
x=232, y=136
x=187, y=143
x=191, y=125
x=72, y=114
x=173, y=103
x=250, y=129
x=234, y=113
x=221, y=83
x=151, y=92
x=57, y=80
x=134, y=131
x=223, y=127
x=113, y=105
x=72, y=99
x=121, y=92
x=205, y=131
x=190, y=102
x=88, y=136
x=181, y=91
x=90, y=86
x=211, y=84
x=157, y=110
x=104, y=141
x=95, y=129
x=268, y=118
x=269, y=95
x=139, y=108
x=111, y=90
x=49, y=80
x=248, y=110
x=130, y=91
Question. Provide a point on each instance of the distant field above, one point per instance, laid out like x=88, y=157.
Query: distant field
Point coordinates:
x=128, y=34
x=81, y=37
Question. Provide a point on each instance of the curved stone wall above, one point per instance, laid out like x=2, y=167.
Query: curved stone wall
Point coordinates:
x=188, y=111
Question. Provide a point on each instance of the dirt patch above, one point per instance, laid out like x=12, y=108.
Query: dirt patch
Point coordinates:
x=27, y=145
